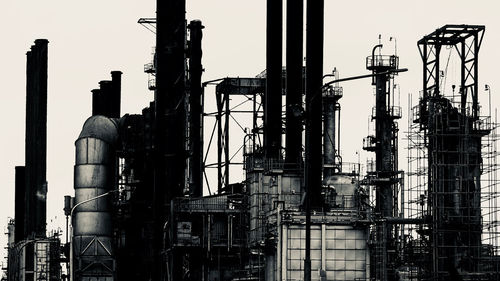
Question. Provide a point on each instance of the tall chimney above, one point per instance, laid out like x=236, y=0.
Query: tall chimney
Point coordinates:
x=36, y=140
x=169, y=96
x=115, y=94
x=20, y=204
x=314, y=82
x=170, y=119
x=195, y=93
x=294, y=90
x=273, y=95
x=105, y=96
x=97, y=102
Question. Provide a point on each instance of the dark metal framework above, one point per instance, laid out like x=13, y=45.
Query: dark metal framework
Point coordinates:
x=453, y=133
x=466, y=39
x=247, y=91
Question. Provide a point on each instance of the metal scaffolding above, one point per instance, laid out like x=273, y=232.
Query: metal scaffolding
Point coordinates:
x=235, y=97
x=452, y=167
x=422, y=201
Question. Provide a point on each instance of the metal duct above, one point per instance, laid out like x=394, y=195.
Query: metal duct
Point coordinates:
x=92, y=221
x=294, y=87
x=273, y=95
x=20, y=186
x=36, y=140
x=195, y=105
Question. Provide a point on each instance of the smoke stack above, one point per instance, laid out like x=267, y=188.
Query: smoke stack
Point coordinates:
x=314, y=82
x=169, y=96
x=170, y=119
x=272, y=99
x=20, y=186
x=105, y=98
x=115, y=95
x=36, y=140
x=294, y=90
x=96, y=102
x=195, y=93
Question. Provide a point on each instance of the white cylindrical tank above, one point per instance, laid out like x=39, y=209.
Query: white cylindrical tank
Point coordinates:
x=92, y=221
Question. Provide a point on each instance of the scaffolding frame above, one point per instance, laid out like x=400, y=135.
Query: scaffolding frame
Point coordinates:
x=244, y=91
x=425, y=194
x=452, y=166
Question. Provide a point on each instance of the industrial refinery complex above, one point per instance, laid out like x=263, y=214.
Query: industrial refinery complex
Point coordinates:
x=139, y=212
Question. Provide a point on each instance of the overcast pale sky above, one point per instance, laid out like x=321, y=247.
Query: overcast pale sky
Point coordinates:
x=90, y=38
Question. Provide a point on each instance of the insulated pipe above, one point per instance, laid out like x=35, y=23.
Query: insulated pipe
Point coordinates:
x=294, y=80
x=273, y=95
x=92, y=236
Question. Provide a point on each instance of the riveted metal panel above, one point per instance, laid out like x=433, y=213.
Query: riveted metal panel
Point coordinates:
x=92, y=151
x=99, y=176
x=92, y=223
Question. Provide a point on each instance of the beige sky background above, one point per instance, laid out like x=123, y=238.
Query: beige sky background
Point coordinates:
x=90, y=38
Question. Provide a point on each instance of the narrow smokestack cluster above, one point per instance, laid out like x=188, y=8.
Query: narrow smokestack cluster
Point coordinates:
x=35, y=196
x=106, y=100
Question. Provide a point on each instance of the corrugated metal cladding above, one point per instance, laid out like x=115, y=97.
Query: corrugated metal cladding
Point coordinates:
x=337, y=253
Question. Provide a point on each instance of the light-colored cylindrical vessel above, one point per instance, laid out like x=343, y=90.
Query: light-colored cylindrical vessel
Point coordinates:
x=92, y=223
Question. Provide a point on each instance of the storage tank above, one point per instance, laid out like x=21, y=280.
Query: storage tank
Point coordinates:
x=92, y=223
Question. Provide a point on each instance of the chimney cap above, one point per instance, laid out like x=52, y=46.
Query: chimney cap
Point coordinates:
x=41, y=41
